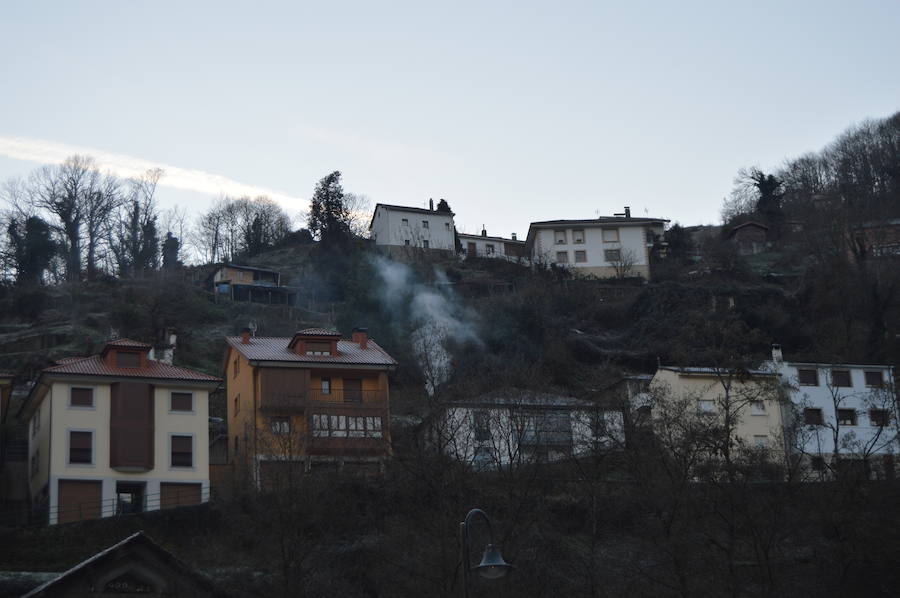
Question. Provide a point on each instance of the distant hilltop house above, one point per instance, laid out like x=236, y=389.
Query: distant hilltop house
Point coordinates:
x=306, y=399
x=750, y=238
x=511, y=427
x=877, y=238
x=248, y=283
x=396, y=229
x=609, y=246
x=494, y=247
x=115, y=433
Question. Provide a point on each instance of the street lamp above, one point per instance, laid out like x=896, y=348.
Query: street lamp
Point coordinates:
x=492, y=565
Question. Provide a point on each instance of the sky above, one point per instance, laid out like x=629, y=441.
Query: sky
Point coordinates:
x=513, y=111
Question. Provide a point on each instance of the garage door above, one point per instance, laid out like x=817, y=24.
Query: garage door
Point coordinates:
x=78, y=499
x=179, y=495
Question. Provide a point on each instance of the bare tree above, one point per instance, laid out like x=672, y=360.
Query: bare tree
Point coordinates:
x=134, y=238
x=625, y=262
x=359, y=214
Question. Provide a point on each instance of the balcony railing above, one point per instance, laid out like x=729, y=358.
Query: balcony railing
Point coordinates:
x=341, y=398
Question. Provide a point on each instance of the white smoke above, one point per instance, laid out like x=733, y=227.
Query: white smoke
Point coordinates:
x=435, y=314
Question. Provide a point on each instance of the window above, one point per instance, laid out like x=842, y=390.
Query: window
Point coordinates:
x=424, y=224
x=580, y=257
x=757, y=408
x=81, y=447
x=373, y=427
x=760, y=441
x=81, y=397
x=425, y=244
x=183, y=451
x=706, y=406
x=562, y=257
x=610, y=235
x=808, y=377
x=612, y=255
x=874, y=379
x=489, y=249
x=813, y=417
x=182, y=401
x=36, y=422
x=846, y=417
x=405, y=222
x=237, y=404
x=559, y=237
x=649, y=236
x=125, y=359
x=406, y=242
x=281, y=426
x=318, y=348
x=482, y=427
x=879, y=417
x=841, y=378
x=578, y=236
x=356, y=427
x=326, y=386
x=341, y=426
x=447, y=226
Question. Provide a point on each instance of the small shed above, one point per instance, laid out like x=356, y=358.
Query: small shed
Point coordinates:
x=750, y=237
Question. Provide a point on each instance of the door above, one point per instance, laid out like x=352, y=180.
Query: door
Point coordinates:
x=179, y=495
x=471, y=250
x=78, y=499
x=129, y=497
x=352, y=390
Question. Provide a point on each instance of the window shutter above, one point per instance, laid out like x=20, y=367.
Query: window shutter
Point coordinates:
x=131, y=425
x=82, y=397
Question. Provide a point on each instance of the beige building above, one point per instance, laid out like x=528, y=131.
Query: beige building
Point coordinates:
x=117, y=432
x=750, y=399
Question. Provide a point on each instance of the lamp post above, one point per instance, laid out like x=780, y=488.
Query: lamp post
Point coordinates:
x=492, y=565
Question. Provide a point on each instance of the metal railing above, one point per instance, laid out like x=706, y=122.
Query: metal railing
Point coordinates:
x=298, y=402
x=111, y=507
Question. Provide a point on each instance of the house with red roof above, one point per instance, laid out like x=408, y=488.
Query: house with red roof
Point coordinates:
x=311, y=398
x=115, y=433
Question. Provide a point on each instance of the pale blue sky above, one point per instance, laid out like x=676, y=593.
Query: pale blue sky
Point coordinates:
x=512, y=111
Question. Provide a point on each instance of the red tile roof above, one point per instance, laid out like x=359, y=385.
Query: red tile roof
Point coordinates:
x=95, y=366
x=128, y=343
x=275, y=348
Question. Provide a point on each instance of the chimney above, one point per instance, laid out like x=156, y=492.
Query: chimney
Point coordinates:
x=245, y=336
x=628, y=211
x=483, y=231
x=777, y=356
x=430, y=204
x=514, y=236
x=361, y=337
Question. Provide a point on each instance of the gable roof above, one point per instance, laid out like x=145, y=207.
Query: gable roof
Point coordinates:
x=127, y=343
x=735, y=229
x=138, y=539
x=489, y=238
x=96, y=366
x=275, y=348
x=396, y=208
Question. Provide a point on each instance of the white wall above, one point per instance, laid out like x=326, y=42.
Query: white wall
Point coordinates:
x=481, y=246
x=863, y=438
x=631, y=239
x=388, y=228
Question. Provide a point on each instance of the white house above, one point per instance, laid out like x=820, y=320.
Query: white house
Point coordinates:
x=397, y=227
x=494, y=247
x=117, y=432
x=604, y=247
x=851, y=407
x=514, y=426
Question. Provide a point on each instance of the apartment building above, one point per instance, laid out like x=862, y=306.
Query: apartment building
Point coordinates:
x=606, y=247
x=307, y=399
x=117, y=432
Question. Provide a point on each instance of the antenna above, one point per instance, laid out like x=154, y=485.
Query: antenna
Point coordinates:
x=253, y=328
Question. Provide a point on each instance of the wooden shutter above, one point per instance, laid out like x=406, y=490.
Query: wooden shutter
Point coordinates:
x=182, y=451
x=80, y=444
x=78, y=500
x=82, y=397
x=352, y=390
x=182, y=401
x=126, y=359
x=179, y=495
x=131, y=425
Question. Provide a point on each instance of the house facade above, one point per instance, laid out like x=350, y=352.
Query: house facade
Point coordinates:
x=491, y=247
x=843, y=410
x=309, y=399
x=513, y=427
x=606, y=247
x=248, y=283
x=117, y=432
x=750, y=400
x=396, y=229
x=750, y=238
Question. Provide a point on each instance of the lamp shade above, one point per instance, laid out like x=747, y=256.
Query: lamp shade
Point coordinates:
x=492, y=565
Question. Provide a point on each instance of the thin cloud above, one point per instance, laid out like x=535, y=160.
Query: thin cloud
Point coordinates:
x=52, y=152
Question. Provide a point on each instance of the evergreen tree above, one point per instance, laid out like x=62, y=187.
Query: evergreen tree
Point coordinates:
x=329, y=218
x=32, y=248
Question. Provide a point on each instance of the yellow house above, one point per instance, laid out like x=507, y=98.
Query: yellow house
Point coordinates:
x=117, y=432
x=310, y=397
x=748, y=399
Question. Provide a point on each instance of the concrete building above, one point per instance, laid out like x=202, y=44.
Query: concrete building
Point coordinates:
x=492, y=247
x=843, y=409
x=605, y=247
x=397, y=229
x=117, y=432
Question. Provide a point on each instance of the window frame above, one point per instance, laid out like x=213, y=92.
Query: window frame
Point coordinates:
x=325, y=385
x=854, y=420
x=426, y=244
x=883, y=413
x=820, y=420
x=280, y=425
x=557, y=237
x=578, y=239
x=879, y=373
x=191, y=411
x=119, y=355
x=193, y=437
x=834, y=382
x=801, y=371
x=90, y=407
x=424, y=224
x=758, y=408
x=609, y=229
x=703, y=410
x=69, y=462
x=563, y=261
x=612, y=255
x=583, y=259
